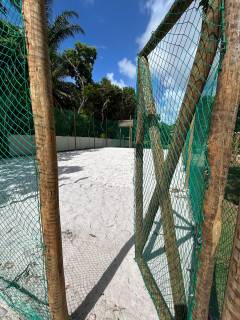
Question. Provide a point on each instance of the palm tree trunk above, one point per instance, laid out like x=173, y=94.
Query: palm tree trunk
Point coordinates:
x=219, y=156
x=42, y=106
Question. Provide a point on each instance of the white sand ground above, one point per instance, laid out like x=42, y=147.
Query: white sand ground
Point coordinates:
x=96, y=200
x=97, y=210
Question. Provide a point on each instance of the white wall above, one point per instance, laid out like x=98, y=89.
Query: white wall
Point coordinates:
x=22, y=145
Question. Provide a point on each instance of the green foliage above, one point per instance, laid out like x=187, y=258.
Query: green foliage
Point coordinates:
x=102, y=99
x=166, y=132
x=86, y=126
x=59, y=29
x=64, y=122
x=106, y=100
x=79, y=63
x=232, y=190
x=62, y=28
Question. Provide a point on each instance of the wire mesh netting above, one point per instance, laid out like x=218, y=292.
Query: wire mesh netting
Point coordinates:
x=229, y=220
x=87, y=126
x=177, y=82
x=23, y=283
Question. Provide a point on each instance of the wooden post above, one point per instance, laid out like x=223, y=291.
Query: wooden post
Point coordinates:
x=42, y=107
x=120, y=137
x=170, y=239
x=131, y=137
x=176, y=11
x=158, y=300
x=204, y=58
x=231, y=307
x=75, y=129
x=106, y=137
x=139, y=183
x=139, y=152
x=130, y=134
x=189, y=152
x=94, y=133
x=219, y=155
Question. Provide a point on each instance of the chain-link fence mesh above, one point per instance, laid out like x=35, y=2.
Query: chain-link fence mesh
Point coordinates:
x=23, y=283
x=177, y=81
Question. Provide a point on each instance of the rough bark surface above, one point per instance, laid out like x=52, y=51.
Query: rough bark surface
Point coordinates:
x=139, y=181
x=219, y=156
x=42, y=107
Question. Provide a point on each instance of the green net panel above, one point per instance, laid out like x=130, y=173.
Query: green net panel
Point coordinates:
x=177, y=81
x=23, y=283
x=87, y=126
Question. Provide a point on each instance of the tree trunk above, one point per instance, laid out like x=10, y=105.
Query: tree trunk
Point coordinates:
x=219, y=156
x=42, y=106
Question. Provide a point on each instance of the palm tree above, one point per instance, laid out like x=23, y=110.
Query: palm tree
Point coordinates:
x=62, y=28
x=59, y=29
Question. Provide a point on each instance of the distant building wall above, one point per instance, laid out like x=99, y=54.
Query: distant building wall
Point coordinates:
x=22, y=145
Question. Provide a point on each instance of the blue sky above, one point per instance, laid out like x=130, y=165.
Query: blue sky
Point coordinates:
x=118, y=28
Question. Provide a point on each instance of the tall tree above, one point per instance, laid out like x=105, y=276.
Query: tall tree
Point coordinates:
x=106, y=100
x=79, y=62
x=60, y=29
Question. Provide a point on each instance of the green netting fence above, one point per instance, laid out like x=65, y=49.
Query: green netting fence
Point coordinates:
x=70, y=123
x=23, y=284
x=178, y=72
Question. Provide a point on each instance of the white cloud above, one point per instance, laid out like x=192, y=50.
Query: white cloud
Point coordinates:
x=120, y=83
x=172, y=59
x=157, y=10
x=127, y=68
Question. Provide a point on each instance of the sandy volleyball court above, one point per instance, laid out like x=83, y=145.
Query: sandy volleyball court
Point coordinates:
x=96, y=201
x=96, y=190
x=103, y=281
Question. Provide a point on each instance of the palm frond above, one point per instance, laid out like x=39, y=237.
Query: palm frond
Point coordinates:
x=62, y=28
